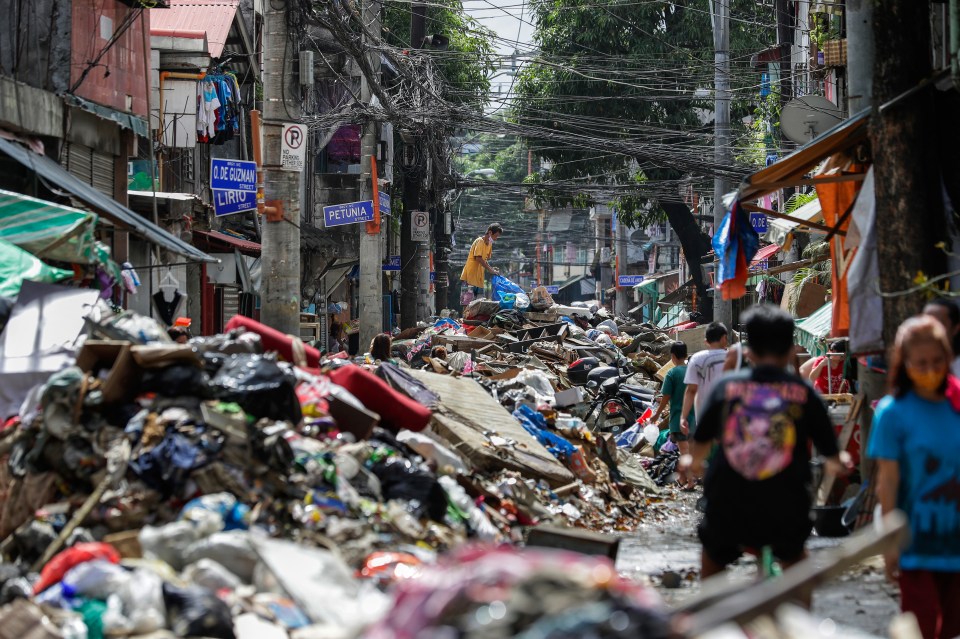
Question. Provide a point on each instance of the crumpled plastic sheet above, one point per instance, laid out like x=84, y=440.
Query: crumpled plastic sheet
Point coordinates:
x=535, y=424
x=404, y=382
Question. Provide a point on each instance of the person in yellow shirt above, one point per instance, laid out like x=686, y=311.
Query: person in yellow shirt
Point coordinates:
x=478, y=260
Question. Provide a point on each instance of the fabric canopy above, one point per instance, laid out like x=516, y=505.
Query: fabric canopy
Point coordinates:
x=812, y=332
x=778, y=229
x=765, y=253
x=49, y=230
x=110, y=209
x=791, y=170
x=18, y=266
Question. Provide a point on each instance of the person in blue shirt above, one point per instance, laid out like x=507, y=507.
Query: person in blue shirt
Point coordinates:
x=916, y=441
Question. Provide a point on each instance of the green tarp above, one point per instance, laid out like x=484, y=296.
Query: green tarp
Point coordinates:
x=17, y=266
x=812, y=332
x=52, y=231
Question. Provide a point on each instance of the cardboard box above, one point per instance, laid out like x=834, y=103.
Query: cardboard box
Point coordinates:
x=111, y=361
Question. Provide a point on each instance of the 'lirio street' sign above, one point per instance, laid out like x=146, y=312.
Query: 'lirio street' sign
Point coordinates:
x=553, y=289
x=629, y=280
x=233, y=175
x=231, y=202
x=384, y=203
x=350, y=213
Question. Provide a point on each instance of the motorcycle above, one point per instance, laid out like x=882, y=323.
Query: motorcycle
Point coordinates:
x=615, y=405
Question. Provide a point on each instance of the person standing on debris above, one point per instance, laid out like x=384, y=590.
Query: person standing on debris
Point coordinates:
x=703, y=369
x=672, y=393
x=948, y=314
x=915, y=440
x=478, y=260
x=757, y=489
x=826, y=372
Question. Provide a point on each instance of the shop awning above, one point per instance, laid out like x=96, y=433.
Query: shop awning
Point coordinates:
x=216, y=241
x=110, y=209
x=790, y=171
x=812, y=332
x=48, y=230
x=765, y=253
x=779, y=229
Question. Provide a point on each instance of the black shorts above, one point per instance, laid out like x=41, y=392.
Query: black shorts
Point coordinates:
x=727, y=533
x=676, y=437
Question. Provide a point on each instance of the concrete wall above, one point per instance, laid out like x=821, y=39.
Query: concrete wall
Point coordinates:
x=35, y=42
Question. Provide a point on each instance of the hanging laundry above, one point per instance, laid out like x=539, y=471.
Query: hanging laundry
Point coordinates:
x=207, y=104
x=735, y=243
x=218, y=108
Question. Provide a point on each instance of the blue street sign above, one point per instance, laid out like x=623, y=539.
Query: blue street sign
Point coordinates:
x=392, y=263
x=759, y=222
x=629, y=280
x=231, y=202
x=233, y=175
x=350, y=213
x=553, y=289
x=384, y=204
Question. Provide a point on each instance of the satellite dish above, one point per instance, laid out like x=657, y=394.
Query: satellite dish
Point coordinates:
x=806, y=117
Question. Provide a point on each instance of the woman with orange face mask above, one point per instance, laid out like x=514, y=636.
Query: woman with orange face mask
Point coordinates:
x=916, y=442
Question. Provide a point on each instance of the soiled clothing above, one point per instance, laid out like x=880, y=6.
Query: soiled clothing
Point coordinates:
x=473, y=270
x=757, y=489
x=703, y=369
x=923, y=437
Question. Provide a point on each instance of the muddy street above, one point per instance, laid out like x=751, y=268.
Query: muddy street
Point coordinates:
x=665, y=552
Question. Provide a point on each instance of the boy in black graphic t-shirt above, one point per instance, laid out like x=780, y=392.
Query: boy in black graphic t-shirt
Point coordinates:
x=757, y=489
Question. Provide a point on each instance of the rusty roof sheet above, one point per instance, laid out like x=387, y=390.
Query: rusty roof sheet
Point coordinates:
x=214, y=18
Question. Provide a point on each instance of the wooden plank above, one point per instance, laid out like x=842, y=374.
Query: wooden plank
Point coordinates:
x=741, y=604
x=484, y=432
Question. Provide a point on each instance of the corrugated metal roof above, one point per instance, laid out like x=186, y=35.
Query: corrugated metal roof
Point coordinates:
x=243, y=244
x=214, y=18
x=764, y=253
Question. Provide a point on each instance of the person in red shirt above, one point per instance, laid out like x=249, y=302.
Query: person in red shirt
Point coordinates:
x=826, y=372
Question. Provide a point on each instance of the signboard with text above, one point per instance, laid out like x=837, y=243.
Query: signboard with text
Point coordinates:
x=553, y=289
x=232, y=202
x=759, y=222
x=392, y=263
x=419, y=226
x=293, y=147
x=350, y=213
x=629, y=280
x=384, y=204
x=234, y=186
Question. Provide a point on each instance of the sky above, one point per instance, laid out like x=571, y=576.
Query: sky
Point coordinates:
x=503, y=17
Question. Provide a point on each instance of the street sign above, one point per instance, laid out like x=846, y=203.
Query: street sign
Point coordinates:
x=419, y=226
x=233, y=175
x=759, y=222
x=232, y=202
x=350, y=213
x=293, y=147
x=392, y=263
x=384, y=204
x=553, y=289
x=629, y=280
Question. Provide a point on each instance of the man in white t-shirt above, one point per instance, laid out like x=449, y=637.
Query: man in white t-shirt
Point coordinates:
x=703, y=370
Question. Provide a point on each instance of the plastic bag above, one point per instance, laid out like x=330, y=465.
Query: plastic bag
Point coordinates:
x=94, y=580
x=401, y=479
x=211, y=574
x=63, y=561
x=168, y=543
x=447, y=461
x=230, y=549
x=259, y=385
x=539, y=382
x=503, y=286
x=197, y=612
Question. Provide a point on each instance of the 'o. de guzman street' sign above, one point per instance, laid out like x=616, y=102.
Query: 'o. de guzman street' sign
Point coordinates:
x=234, y=186
x=350, y=213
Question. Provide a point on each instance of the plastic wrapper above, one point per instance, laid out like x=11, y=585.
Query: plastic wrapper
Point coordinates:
x=210, y=574
x=232, y=513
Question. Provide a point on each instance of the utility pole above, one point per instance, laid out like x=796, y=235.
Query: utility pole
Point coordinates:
x=441, y=262
x=623, y=292
x=413, y=172
x=280, y=289
x=371, y=262
x=859, y=54
x=722, y=310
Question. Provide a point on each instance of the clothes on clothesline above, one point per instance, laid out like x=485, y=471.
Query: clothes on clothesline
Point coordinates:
x=218, y=108
x=770, y=289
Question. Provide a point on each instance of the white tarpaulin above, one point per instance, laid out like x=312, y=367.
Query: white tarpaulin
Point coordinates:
x=778, y=229
x=866, y=305
x=40, y=338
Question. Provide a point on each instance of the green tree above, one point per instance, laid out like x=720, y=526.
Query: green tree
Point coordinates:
x=642, y=72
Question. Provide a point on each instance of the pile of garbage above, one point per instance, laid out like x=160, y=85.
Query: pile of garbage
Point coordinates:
x=213, y=489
